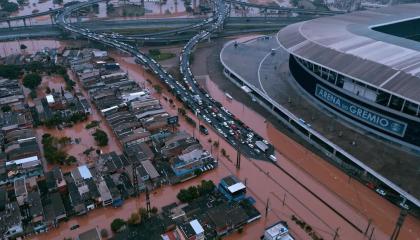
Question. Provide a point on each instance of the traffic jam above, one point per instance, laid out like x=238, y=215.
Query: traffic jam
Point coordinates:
x=188, y=91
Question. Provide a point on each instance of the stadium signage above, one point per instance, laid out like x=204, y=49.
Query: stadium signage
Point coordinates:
x=368, y=116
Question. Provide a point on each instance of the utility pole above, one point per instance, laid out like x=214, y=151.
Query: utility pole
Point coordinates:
x=399, y=224
x=336, y=233
x=284, y=199
x=238, y=158
x=368, y=226
x=148, y=208
x=266, y=207
x=371, y=233
x=135, y=180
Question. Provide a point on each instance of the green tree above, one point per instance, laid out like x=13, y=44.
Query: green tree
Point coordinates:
x=197, y=172
x=92, y=124
x=182, y=111
x=6, y=108
x=101, y=137
x=134, y=219
x=157, y=88
x=223, y=152
x=32, y=80
x=154, y=52
x=117, y=224
x=88, y=151
x=10, y=71
x=70, y=160
x=64, y=140
x=206, y=187
x=154, y=210
x=9, y=6
x=184, y=196
x=143, y=213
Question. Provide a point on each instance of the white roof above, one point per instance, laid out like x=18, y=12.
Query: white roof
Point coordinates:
x=50, y=98
x=198, y=229
x=84, y=172
x=236, y=187
x=108, y=109
x=100, y=53
x=349, y=44
x=23, y=160
x=277, y=230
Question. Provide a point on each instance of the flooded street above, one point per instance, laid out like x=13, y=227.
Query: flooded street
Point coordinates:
x=265, y=182
x=13, y=47
x=352, y=199
x=255, y=173
x=78, y=131
x=153, y=9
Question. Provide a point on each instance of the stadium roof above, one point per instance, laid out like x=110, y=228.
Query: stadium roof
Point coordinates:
x=347, y=44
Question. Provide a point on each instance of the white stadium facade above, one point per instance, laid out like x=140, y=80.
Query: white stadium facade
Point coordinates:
x=353, y=68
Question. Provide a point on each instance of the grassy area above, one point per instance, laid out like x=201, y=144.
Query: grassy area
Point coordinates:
x=140, y=30
x=163, y=56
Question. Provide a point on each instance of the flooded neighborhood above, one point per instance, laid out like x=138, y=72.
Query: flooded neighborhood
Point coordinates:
x=122, y=120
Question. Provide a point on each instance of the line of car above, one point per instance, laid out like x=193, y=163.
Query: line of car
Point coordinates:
x=187, y=89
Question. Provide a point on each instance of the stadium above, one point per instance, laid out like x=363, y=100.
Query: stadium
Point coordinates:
x=363, y=67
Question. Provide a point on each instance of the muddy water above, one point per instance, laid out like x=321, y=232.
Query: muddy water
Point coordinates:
x=13, y=47
x=171, y=8
x=349, y=197
x=78, y=131
x=256, y=173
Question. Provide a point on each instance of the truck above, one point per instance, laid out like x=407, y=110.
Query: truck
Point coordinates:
x=261, y=145
x=198, y=99
x=273, y=158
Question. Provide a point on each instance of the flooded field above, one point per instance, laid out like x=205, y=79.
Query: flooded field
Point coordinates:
x=153, y=9
x=13, y=47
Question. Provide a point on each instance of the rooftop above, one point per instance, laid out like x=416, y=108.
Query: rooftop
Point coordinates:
x=276, y=230
x=348, y=44
x=91, y=234
x=150, y=169
x=236, y=187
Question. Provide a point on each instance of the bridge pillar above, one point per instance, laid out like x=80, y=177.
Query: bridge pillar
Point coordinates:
x=265, y=14
x=8, y=23
x=52, y=19
x=24, y=22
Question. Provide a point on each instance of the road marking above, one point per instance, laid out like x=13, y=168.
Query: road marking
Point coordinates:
x=259, y=69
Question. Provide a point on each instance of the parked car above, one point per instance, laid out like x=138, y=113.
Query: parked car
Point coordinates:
x=76, y=226
x=380, y=192
x=203, y=130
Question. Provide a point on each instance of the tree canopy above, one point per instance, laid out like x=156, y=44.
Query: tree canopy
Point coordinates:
x=9, y=6
x=194, y=192
x=10, y=71
x=32, y=80
x=101, y=137
x=117, y=224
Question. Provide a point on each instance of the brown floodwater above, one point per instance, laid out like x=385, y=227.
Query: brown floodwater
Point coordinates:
x=351, y=198
x=13, y=47
x=265, y=181
x=77, y=131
